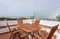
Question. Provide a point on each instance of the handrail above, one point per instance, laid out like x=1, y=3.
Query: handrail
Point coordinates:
x=6, y=26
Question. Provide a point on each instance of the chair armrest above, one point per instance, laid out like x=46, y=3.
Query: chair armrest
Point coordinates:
x=39, y=37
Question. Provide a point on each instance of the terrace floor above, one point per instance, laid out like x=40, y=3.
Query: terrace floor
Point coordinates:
x=7, y=36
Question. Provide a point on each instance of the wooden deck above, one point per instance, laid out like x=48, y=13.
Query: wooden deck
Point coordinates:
x=7, y=36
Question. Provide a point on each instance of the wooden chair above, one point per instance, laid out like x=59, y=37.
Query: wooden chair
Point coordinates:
x=37, y=24
x=19, y=33
x=50, y=34
x=52, y=31
x=20, y=23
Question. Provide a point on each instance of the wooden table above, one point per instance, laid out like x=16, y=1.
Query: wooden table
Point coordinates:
x=29, y=28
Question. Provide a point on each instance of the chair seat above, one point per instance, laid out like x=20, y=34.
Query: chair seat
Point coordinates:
x=38, y=37
x=23, y=35
x=20, y=32
x=42, y=32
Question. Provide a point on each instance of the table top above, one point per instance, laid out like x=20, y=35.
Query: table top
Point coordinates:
x=29, y=27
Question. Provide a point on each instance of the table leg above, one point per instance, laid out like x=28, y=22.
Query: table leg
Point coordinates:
x=32, y=35
x=29, y=35
x=37, y=32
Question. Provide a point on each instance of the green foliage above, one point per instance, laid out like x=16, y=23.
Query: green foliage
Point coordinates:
x=2, y=18
x=10, y=18
x=58, y=18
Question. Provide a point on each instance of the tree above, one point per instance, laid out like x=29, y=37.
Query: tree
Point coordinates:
x=58, y=18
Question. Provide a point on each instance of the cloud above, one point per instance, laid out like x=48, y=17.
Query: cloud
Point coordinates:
x=11, y=8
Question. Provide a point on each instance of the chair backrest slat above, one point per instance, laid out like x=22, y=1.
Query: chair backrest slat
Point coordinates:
x=20, y=21
x=37, y=22
x=52, y=31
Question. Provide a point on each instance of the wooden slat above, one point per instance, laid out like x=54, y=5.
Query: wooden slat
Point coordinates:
x=6, y=26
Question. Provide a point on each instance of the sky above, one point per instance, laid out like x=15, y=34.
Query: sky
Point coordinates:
x=40, y=8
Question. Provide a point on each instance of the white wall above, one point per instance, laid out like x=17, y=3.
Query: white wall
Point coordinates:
x=50, y=23
x=12, y=22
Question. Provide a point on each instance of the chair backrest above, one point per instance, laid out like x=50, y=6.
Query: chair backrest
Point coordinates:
x=9, y=27
x=52, y=31
x=37, y=22
x=20, y=21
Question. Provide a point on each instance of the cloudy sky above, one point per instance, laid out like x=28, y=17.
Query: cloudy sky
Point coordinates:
x=16, y=8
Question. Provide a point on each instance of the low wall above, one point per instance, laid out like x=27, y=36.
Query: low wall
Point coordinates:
x=10, y=22
x=49, y=23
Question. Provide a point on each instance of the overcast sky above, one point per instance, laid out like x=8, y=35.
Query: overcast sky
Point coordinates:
x=16, y=8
